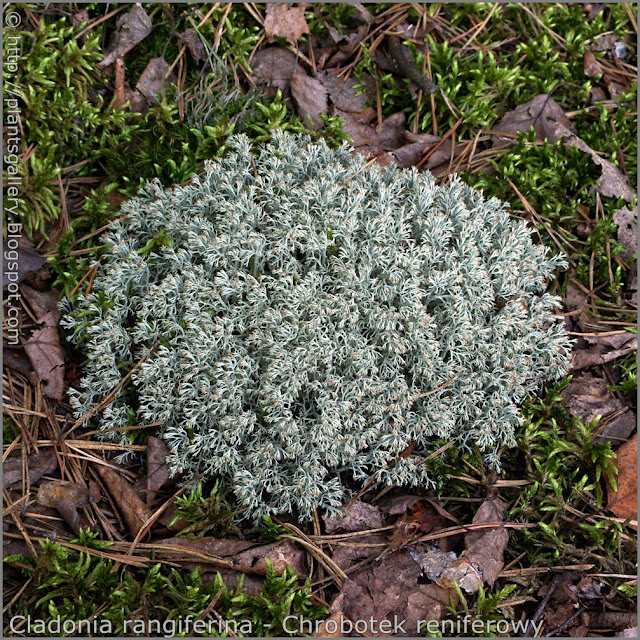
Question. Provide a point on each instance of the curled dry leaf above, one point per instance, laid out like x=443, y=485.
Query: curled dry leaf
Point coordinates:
x=485, y=548
x=131, y=28
x=345, y=95
x=47, y=356
x=285, y=21
x=133, y=510
x=157, y=467
x=624, y=501
x=38, y=464
x=310, y=97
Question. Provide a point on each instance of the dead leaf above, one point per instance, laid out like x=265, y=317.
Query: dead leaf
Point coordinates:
x=47, y=356
x=345, y=96
x=627, y=221
x=157, y=467
x=195, y=45
x=16, y=359
x=485, y=548
x=80, y=18
x=131, y=28
x=595, y=356
x=592, y=67
x=133, y=510
x=273, y=67
x=247, y=557
x=29, y=262
x=421, y=517
x=360, y=517
x=542, y=113
x=587, y=397
x=367, y=139
x=38, y=465
x=624, y=501
x=152, y=82
x=391, y=591
x=347, y=45
x=67, y=498
x=51, y=493
x=310, y=97
x=446, y=569
x=41, y=302
x=612, y=183
x=285, y=21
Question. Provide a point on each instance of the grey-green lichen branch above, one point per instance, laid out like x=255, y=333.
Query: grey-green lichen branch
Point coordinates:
x=316, y=316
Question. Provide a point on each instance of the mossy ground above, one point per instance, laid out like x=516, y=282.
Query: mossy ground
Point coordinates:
x=81, y=156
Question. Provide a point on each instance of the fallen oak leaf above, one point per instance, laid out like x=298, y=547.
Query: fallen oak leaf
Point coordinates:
x=593, y=357
x=133, y=510
x=627, y=221
x=285, y=21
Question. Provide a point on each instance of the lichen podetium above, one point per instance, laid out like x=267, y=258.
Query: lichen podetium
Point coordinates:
x=314, y=316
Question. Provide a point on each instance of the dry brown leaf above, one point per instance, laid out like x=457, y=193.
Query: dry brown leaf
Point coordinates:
x=612, y=183
x=542, y=113
x=447, y=570
x=587, y=397
x=195, y=45
x=38, y=465
x=286, y=21
x=157, y=467
x=595, y=356
x=133, y=510
x=67, y=498
x=41, y=302
x=47, y=356
x=152, y=81
x=29, y=263
x=627, y=221
x=624, y=501
x=273, y=68
x=345, y=96
x=485, y=548
x=51, y=493
x=592, y=67
x=131, y=28
x=391, y=591
x=361, y=516
x=421, y=517
x=310, y=97
x=247, y=557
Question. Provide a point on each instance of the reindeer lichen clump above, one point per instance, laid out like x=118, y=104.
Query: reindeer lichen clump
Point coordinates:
x=305, y=314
